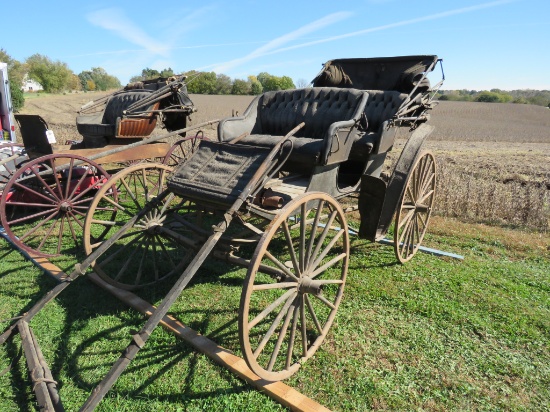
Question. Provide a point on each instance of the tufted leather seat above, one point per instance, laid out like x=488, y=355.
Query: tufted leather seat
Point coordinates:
x=381, y=106
x=274, y=114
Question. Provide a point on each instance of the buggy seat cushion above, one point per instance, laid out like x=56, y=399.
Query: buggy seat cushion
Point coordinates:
x=319, y=107
x=103, y=124
x=216, y=173
x=381, y=106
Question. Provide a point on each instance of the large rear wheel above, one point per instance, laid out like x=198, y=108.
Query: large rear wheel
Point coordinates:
x=415, y=208
x=294, y=285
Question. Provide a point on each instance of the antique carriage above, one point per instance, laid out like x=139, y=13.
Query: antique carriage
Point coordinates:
x=269, y=196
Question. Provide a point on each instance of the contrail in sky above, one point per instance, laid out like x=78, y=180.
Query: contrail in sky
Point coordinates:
x=258, y=53
x=279, y=41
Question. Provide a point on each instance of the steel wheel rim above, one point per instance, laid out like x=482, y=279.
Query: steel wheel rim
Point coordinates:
x=61, y=208
x=415, y=207
x=286, y=339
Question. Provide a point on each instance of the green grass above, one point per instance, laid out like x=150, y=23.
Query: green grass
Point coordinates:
x=435, y=334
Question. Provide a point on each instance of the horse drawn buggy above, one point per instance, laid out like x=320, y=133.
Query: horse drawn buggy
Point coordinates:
x=47, y=187
x=272, y=195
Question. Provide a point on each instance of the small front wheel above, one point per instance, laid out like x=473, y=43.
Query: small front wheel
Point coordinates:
x=294, y=285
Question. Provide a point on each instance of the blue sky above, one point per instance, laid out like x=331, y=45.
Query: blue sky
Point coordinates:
x=484, y=44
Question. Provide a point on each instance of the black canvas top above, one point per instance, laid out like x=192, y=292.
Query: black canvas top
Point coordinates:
x=400, y=73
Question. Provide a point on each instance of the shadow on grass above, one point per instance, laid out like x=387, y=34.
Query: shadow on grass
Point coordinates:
x=83, y=302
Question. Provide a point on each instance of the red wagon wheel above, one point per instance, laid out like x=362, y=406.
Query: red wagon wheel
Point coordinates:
x=294, y=285
x=45, y=202
x=415, y=208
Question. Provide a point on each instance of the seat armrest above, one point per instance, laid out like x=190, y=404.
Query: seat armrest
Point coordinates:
x=341, y=135
x=232, y=127
x=338, y=141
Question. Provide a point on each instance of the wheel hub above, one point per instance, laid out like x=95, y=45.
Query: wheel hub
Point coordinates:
x=152, y=222
x=308, y=285
x=65, y=207
x=421, y=208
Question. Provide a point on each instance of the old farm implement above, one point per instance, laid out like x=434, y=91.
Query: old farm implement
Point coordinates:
x=45, y=194
x=269, y=196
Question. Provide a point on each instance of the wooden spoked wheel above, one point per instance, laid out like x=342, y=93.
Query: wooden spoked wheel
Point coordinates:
x=44, y=204
x=182, y=150
x=415, y=208
x=152, y=249
x=294, y=285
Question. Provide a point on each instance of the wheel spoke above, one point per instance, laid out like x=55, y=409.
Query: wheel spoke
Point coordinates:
x=38, y=226
x=261, y=316
x=314, y=231
x=282, y=334
x=274, y=325
x=288, y=239
x=313, y=315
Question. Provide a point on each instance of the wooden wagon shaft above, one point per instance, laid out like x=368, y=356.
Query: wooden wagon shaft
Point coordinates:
x=141, y=337
x=109, y=153
x=150, y=140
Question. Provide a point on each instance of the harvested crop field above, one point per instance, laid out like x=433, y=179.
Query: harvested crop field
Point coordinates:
x=493, y=158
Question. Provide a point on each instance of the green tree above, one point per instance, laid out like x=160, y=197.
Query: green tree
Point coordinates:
x=167, y=72
x=488, y=97
x=103, y=80
x=53, y=76
x=201, y=82
x=16, y=75
x=84, y=77
x=255, y=86
x=270, y=82
x=148, y=73
x=286, y=83
x=99, y=79
x=223, y=84
x=240, y=87
x=74, y=83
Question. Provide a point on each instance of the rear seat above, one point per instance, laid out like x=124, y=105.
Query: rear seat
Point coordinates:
x=96, y=128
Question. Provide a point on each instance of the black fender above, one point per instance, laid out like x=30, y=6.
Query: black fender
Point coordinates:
x=378, y=201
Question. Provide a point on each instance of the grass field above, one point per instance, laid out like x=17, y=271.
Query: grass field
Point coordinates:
x=435, y=334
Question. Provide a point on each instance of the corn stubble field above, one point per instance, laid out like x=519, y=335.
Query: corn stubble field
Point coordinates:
x=493, y=158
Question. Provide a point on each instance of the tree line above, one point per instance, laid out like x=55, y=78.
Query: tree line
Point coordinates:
x=56, y=77
x=536, y=97
x=212, y=83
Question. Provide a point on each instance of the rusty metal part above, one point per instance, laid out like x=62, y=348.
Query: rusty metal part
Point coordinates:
x=137, y=127
x=287, y=310
x=415, y=207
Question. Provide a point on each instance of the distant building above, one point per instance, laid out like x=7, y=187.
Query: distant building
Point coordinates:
x=31, y=85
